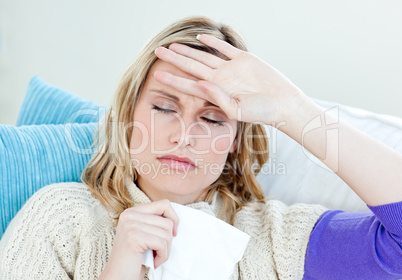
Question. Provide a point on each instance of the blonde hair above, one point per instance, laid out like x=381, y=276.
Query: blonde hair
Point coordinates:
x=110, y=169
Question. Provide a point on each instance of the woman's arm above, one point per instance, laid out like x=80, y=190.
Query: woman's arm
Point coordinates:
x=370, y=168
x=362, y=245
x=248, y=89
x=33, y=244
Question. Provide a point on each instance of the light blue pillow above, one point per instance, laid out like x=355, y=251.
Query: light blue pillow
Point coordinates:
x=38, y=155
x=41, y=150
x=47, y=104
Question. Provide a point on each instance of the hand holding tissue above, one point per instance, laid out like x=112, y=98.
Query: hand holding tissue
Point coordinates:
x=205, y=248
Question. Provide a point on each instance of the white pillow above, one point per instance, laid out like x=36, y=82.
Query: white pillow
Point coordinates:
x=293, y=176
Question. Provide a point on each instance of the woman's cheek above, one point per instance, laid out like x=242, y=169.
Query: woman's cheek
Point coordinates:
x=221, y=144
x=141, y=132
x=139, y=138
x=221, y=141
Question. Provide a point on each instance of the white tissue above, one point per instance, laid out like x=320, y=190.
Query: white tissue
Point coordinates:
x=205, y=248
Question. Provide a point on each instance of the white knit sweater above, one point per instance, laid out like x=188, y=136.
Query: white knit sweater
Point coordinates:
x=64, y=232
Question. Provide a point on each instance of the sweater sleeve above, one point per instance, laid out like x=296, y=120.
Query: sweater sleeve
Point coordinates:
x=39, y=241
x=364, y=245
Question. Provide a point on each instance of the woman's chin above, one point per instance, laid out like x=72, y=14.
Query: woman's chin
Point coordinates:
x=180, y=191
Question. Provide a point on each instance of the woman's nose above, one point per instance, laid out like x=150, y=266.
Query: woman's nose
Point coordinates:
x=186, y=133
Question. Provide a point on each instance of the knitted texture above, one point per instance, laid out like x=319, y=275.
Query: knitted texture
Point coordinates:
x=64, y=232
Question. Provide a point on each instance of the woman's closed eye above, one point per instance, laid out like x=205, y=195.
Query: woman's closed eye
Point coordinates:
x=163, y=110
x=214, y=122
x=213, y=117
x=170, y=111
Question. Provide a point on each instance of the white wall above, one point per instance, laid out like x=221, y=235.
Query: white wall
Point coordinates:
x=344, y=51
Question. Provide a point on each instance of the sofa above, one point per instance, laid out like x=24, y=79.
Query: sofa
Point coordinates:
x=52, y=142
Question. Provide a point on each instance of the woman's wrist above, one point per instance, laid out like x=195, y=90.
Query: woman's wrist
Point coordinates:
x=297, y=114
x=125, y=268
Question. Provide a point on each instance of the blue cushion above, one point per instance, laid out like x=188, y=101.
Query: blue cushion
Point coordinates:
x=38, y=155
x=47, y=104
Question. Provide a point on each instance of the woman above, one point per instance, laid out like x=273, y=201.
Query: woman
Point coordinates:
x=186, y=127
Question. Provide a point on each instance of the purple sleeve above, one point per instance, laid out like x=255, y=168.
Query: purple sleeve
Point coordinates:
x=363, y=245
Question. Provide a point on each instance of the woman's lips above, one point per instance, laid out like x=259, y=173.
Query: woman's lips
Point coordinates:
x=178, y=163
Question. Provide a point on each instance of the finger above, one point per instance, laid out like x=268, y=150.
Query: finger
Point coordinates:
x=183, y=85
x=150, y=238
x=162, y=208
x=208, y=59
x=186, y=64
x=228, y=104
x=222, y=46
x=154, y=220
x=148, y=233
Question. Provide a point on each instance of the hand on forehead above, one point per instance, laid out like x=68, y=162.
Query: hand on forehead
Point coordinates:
x=160, y=74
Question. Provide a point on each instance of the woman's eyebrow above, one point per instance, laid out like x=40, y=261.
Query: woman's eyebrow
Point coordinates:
x=207, y=104
x=176, y=98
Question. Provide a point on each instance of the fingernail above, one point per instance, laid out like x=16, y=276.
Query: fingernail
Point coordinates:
x=198, y=37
